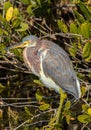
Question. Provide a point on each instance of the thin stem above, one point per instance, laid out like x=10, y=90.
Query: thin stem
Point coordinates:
x=62, y=98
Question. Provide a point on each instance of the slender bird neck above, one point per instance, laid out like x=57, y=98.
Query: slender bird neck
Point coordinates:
x=38, y=46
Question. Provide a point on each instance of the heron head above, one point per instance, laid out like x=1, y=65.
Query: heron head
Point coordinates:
x=28, y=41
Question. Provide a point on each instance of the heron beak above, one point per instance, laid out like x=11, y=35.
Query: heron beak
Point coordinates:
x=20, y=45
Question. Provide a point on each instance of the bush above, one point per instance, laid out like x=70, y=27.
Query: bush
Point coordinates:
x=25, y=102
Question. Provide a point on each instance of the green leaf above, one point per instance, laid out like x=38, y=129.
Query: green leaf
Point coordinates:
x=16, y=22
x=39, y=95
x=39, y=2
x=44, y=107
x=73, y=28
x=85, y=30
x=36, y=128
x=89, y=111
x=84, y=107
x=29, y=9
x=5, y=32
x=72, y=51
x=1, y=32
x=80, y=18
x=17, y=52
x=24, y=27
x=68, y=105
x=7, y=5
x=68, y=119
x=26, y=128
x=84, y=118
x=2, y=47
x=2, y=88
x=33, y=2
x=15, y=12
x=85, y=10
x=87, y=51
x=89, y=58
x=89, y=8
x=27, y=111
x=38, y=82
x=49, y=1
x=83, y=90
x=89, y=75
x=60, y=24
x=26, y=2
x=4, y=21
x=64, y=28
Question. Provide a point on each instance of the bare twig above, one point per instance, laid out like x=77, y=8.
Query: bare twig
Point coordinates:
x=36, y=116
x=27, y=121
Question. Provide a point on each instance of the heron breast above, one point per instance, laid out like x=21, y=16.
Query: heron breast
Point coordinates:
x=31, y=60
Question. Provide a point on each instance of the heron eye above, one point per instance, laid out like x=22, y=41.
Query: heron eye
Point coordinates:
x=25, y=43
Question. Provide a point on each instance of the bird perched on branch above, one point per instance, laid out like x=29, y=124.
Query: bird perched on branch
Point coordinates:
x=51, y=64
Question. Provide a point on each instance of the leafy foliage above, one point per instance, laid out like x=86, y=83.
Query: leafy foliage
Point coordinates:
x=25, y=102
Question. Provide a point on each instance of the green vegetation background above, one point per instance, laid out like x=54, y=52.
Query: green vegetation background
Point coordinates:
x=25, y=104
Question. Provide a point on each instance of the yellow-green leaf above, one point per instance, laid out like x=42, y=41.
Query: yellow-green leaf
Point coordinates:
x=83, y=90
x=85, y=10
x=4, y=21
x=27, y=111
x=25, y=1
x=38, y=82
x=44, y=107
x=89, y=111
x=24, y=27
x=9, y=14
x=68, y=119
x=65, y=28
x=87, y=51
x=29, y=9
x=2, y=47
x=7, y=5
x=85, y=30
x=80, y=17
x=89, y=58
x=39, y=2
x=84, y=118
x=62, y=26
x=16, y=22
x=15, y=12
x=36, y=128
x=2, y=87
x=84, y=107
x=1, y=31
x=18, y=52
x=72, y=51
x=39, y=95
x=68, y=105
x=73, y=28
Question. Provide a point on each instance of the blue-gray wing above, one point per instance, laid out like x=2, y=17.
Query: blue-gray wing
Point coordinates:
x=58, y=66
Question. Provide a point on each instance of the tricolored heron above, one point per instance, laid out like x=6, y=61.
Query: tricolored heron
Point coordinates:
x=51, y=64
